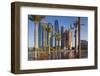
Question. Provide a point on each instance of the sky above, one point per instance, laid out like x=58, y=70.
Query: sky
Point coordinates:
x=65, y=21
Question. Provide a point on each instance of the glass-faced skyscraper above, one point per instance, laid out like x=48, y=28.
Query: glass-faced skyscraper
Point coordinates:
x=62, y=37
x=56, y=29
x=40, y=31
x=56, y=26
x=51, y=39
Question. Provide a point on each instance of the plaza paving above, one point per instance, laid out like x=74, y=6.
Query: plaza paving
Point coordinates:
x=61, y=54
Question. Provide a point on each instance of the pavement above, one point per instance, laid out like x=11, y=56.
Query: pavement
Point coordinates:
x=61, y=54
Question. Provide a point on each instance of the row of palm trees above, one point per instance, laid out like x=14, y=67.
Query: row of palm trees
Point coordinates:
x=48, y=27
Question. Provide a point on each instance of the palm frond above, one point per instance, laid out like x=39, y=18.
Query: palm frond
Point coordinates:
x=35, y=17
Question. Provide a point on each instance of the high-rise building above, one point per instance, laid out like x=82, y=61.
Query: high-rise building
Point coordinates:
x=51, y=39
x=62, y=37
x=56, y=30
x=69, y=39
x=65, y=39
x=56, y=26
x=47, y=37
x=40, y=36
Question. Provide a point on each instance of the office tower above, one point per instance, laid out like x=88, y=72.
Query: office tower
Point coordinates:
x=56, y=26
x=56, y=29
x=69, y=39
x=47, y=37
x=51, y=39
x=62, y=37
x=40, y=30
x=65, y=39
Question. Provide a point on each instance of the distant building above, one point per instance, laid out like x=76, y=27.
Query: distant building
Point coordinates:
x=56, y=26
x=65, y=39
x=40, y=36
x=56, y=29
x=84, y=44
x=47, y=37
x=69, y=39
x=51, y=39
x=62, y=37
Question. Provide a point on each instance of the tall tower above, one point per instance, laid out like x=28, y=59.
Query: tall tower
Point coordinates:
x=56, y=29
x=40, y=30
x=62, y=37
x=51, y=39
x=69, y=39
x=56, y=26
x=65, y=39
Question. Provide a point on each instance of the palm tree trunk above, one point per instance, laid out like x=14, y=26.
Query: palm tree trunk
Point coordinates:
x=36, y=38
x=44, y=42
x=35, y=35
x=35, y=41
x=79, y=45
x=76, y=40
x=49, y=43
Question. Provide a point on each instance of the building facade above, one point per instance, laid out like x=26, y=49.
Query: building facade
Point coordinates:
x=62, y=37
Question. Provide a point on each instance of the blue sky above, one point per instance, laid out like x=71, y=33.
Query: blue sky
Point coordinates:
x=65, y=21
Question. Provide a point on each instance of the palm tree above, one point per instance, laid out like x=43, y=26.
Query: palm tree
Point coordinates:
x=79, y=42
x=49, y=30
x=44, y=25
x=35, y=19
x=55, y=35
x=58, y=37
x=77, y=26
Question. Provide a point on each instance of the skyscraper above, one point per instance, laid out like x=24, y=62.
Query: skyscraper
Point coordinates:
x=69, y=39
x=56, y=26
x=51, y=39
x=47, y=37
x=65, y=39
x=56, y=29
x=62, y=37
x=40, y=30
